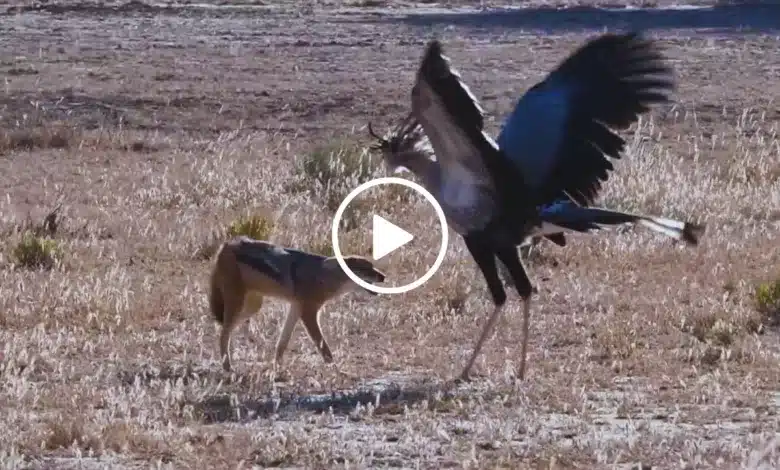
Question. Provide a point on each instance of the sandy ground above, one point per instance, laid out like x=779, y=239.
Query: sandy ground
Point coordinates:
x=155, y=125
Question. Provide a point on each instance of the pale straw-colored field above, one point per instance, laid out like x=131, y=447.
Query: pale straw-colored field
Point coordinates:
x=155, y=128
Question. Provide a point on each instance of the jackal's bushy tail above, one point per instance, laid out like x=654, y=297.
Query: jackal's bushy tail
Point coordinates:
x=216, y=300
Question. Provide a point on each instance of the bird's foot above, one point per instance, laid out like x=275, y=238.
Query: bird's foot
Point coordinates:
x=280, y=376
x=333, y=367
x=277, y=373
x=462, y=378
x=346, y=374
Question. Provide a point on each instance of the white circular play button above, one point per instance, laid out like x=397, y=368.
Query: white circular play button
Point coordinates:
x=386, y=237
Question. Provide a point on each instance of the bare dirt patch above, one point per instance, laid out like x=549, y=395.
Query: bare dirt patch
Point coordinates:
x=154, y=125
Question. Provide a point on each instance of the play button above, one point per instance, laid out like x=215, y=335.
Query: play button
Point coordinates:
x=387, y=237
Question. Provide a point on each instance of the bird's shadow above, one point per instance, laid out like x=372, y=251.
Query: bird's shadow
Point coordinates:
x=736, y=17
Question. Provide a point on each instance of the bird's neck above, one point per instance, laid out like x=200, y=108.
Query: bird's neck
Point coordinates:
x=425, y=169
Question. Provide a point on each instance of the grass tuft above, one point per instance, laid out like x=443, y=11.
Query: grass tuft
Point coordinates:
x=321, y=247
x=252, y=226
x=331, y=171
x=65, y=433
x=338, y=164
x=52, y=137
x=35, y=252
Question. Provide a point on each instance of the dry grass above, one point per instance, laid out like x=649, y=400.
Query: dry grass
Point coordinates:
x=158, y=132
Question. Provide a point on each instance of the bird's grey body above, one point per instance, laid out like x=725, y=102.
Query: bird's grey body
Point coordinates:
x=465, y=203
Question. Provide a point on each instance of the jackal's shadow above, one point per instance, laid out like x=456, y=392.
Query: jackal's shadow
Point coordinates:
x=387, y=398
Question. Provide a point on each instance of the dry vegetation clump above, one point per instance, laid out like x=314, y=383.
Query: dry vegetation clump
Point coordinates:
x=55, y=137
x=40, y=130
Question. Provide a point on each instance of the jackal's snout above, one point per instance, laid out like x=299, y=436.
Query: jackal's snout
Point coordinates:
x=378, y=276
x=364, y=269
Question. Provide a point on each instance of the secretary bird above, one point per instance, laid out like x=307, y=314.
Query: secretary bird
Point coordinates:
x=550, y=165
x=408, y=148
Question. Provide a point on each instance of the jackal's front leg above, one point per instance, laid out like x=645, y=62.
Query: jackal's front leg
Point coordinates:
x=311, y=322
x=293, y=314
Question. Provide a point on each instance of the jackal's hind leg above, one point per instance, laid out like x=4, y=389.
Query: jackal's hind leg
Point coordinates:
x=224, y=346
x=232, y=316
x=253, y=301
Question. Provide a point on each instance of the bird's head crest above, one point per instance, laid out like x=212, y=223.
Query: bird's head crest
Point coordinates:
x=407, y=141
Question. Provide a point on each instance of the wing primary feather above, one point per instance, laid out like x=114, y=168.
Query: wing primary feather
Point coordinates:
x=460, y=102
x=562, y=132
x=471, y=162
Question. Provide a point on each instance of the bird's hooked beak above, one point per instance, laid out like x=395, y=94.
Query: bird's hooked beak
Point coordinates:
x=382, y=142
x=383, y=145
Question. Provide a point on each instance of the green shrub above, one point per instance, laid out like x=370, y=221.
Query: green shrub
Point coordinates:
x=339, y=164
x=322, y=247
x=36, y=252
x=253, y=226
x=767, y=300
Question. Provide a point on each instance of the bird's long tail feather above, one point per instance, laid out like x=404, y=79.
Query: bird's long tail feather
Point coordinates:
x=571, y=217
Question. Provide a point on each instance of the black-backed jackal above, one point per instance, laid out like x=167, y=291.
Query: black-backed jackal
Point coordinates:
x=246, y=270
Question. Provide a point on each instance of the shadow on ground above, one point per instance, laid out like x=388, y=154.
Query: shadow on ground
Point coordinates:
x=386, y=398
x=138, y=7
x=387, y=395
x=729, y=18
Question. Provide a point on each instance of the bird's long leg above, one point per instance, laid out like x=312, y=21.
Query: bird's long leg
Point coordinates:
x=485, y=258
x=526, y=328
x=511, y=260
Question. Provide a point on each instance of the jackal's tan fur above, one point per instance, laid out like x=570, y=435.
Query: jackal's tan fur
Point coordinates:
x=247, y=270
